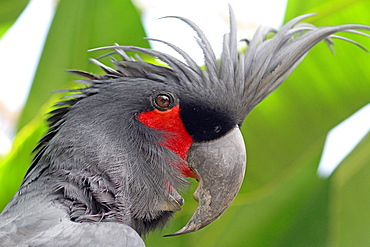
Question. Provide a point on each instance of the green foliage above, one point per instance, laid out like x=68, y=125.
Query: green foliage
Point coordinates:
x=282, y=201
x=14, y=166
x=79, y=26
x=9, y=12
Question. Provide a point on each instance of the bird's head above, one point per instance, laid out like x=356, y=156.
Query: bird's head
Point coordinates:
x=145, y=127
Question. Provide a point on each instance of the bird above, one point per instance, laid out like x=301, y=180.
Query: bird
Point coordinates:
x=119, y=150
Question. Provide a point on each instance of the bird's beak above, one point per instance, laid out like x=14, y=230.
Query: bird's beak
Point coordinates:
x=220, y=166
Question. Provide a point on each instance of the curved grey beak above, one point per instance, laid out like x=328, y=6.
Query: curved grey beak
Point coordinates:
x=220, y=166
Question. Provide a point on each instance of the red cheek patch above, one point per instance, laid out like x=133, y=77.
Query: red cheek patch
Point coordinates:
x=178, y=139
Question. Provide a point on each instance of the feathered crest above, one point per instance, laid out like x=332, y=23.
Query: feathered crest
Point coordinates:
x=252, y=75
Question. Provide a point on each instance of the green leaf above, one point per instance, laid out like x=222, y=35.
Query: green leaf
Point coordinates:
x=350, y=199
x=80, y=25
x=14, y=166
x=9, y=12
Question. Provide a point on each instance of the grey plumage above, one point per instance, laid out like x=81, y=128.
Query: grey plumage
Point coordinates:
x=52, y=225
x=98, y=172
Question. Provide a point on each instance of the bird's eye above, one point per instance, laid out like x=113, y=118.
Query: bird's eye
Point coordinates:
x=163, y=101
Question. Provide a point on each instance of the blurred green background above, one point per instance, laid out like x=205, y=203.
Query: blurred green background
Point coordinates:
x=282, y=201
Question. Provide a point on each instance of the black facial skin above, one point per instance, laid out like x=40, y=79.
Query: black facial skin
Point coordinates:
x=204, y=123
